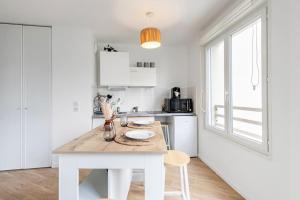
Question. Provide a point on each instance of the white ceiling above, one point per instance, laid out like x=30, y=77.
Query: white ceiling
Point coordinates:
x=118, y=20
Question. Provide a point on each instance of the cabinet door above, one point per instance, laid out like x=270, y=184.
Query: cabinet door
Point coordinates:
x=36, y=73
x=142, y=77
x=10, y=98
x=114, y=68
x=185, y=134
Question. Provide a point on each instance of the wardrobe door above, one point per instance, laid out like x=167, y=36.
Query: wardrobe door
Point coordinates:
x=36, y=95
x=10, y=96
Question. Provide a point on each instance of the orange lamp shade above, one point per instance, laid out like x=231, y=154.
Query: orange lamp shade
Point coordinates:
x=150, y=38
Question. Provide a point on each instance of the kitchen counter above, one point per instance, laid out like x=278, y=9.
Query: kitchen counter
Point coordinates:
x=148, y=114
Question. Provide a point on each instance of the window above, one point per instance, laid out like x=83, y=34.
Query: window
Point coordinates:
x=236, y=83
x=215, y=61
x=246, y=82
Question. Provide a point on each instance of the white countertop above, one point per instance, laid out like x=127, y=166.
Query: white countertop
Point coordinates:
x=148, y=114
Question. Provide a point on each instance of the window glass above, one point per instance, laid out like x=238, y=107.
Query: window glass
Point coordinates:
x=246, y=82
x=215, y=58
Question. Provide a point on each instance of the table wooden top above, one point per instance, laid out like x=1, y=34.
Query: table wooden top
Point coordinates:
x=93, y=142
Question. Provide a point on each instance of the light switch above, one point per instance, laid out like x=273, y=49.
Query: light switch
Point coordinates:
x=75, y=106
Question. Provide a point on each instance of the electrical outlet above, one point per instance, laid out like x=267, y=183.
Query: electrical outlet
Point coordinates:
x=75, y=106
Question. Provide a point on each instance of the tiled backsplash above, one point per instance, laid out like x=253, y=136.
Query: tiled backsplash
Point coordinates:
x=147, y=99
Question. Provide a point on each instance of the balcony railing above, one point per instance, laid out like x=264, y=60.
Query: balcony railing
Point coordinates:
x=220, y=115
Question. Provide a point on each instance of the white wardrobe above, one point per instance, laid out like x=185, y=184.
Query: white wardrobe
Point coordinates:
x=25, y=96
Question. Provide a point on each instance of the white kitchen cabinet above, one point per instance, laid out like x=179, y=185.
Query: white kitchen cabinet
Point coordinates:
x=183, y=134
x=142, y=77
x=114, y=69
x=25, y=72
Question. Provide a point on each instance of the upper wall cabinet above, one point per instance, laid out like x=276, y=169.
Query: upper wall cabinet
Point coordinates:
x=142, y=77
x=114, y=68
x=115, y=72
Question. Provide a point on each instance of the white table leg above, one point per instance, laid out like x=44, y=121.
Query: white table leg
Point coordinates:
x=119, y=181
x=68, y=181
x=186, y=183
x=154, y=178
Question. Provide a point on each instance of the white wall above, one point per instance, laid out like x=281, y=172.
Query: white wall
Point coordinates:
x=255, y=176
x=295, y=98
x=72, y=81
x=172, y=70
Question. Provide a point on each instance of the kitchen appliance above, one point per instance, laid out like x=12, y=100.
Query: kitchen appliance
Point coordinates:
x=176, y=93
x=135, y=109
x=184, y=134
x=176, y=105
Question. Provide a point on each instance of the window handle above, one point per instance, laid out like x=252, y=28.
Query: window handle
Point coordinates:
x=226, y=93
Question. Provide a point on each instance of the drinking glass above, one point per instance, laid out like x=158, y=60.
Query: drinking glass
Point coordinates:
x=124, y=120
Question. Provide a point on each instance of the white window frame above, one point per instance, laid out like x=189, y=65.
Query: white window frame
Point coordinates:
x=207, y=79
x=226, y=37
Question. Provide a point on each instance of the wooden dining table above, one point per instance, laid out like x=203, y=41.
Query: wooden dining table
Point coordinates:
x=91, y=151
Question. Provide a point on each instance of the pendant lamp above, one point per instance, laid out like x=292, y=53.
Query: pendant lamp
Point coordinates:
x=150, y=36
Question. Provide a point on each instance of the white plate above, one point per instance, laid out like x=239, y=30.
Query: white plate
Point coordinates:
x=140, y=134
x=143, y=122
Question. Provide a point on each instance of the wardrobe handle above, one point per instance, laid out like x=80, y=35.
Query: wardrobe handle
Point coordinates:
x=25, y=108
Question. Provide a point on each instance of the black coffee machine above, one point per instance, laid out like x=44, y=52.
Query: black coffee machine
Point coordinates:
x=175, y=93
x=176, y=104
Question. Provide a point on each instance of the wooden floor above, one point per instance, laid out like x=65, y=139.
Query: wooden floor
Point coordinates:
x=42, y=184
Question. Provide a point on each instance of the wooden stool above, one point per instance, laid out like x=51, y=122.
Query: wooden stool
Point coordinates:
x=179, y=159
x=165, y=126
